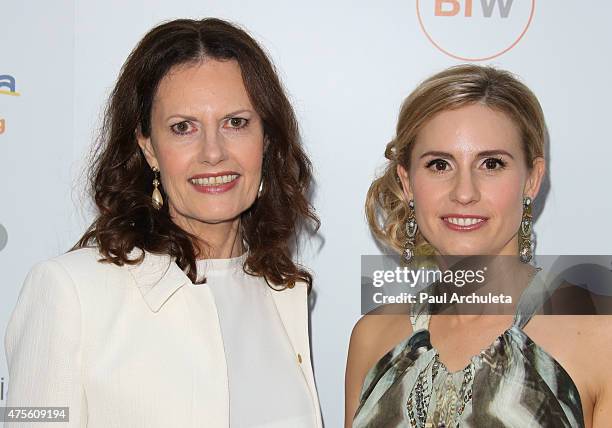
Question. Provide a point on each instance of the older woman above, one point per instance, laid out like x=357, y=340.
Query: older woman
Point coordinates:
x=463, y=170
x=181, y=305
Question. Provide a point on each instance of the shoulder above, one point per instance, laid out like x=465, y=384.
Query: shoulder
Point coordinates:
x=90, y=262
x=291, y=302
x=75, y=262
x=596, y=342
x=376, y=333
x=367, y=327
x=48, y=296
x=373, y=336
x=61, y=269
x=592, y=335
x=298, y=292
x=593, y=344
x=79, y=271
x=80, y=255
x=68, y=261
x=86, y=259
x=602, y=350
x=591, y=352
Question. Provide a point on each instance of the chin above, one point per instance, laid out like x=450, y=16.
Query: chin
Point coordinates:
x=216, y=219
x=209, y=216
x=461, y=250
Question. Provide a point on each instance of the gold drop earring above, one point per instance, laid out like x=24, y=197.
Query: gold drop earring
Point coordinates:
x=525, y=252
x=156, y=197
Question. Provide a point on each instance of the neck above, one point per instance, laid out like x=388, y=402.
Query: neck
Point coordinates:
x=214, y=240
x=503, y=275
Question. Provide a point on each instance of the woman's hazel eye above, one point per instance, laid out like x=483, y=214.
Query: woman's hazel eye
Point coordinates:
x=237, y=122
x=181, y=127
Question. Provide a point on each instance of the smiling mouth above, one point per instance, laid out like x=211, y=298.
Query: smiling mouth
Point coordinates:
x=460, y=221
x=464, y=224
x=214, y=181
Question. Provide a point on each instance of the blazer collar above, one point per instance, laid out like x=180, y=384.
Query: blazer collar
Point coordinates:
x=158, y=277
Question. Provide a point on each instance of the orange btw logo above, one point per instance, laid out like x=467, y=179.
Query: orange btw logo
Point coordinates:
x=475, y=30
x=487, y=7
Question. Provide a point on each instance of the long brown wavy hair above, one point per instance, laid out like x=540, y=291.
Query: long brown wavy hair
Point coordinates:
x=461, y=85
x=120, y=179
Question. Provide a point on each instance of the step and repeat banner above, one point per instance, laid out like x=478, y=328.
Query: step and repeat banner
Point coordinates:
x=347, y=66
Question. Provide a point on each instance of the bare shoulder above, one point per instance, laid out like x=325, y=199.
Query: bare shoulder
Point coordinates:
x=593, y=334
x=376, y=334
x=590, y=335
x=582, y=345
x=597, y=342
x=372, y=337
x=596, y=357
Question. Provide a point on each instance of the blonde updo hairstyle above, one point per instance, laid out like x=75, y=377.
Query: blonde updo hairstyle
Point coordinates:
x=455, y=87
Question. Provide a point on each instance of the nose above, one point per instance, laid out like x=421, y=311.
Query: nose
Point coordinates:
x=465, y=188
x=212, y=147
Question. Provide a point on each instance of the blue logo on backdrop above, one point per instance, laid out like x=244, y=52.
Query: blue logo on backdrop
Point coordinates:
x=7, y=81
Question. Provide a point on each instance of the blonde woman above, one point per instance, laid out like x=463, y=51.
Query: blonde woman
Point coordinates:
x=465, y=166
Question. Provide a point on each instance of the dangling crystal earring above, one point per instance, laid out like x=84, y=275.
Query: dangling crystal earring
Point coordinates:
x=260, y=188
x=411, y=231
x=525, y=232
x=156, y=197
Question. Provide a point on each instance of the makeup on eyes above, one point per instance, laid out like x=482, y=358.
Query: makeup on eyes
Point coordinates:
x=242, y=121
x=172, y=128
x=439, y=161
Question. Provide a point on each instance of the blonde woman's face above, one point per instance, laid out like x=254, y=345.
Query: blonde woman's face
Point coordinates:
x=468, y=177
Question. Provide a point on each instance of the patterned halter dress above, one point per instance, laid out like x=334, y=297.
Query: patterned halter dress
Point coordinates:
x=513, y=383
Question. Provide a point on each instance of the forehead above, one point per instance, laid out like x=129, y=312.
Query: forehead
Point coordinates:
x=208, y=85
x=467, y=129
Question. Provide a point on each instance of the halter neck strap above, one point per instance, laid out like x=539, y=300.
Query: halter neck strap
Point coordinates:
x=532, y=299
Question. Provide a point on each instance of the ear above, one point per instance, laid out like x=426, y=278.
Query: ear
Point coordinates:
x=266, y=141
x=402, y=173
x=532, y=186
x=147, y=148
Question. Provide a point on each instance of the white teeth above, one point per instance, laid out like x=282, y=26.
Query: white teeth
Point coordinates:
x=214, y=181
x=463, y=221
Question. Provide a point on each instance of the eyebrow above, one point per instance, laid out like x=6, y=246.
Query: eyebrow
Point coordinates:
x=193, y=118
x=484, y=153
x=234, y=113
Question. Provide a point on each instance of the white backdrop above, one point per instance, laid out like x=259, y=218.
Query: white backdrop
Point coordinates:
x=347, y=66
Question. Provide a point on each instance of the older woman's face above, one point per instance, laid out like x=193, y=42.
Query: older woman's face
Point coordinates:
x=468, y=177
x=207, y=140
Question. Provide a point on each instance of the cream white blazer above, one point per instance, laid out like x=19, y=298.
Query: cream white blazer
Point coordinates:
x=125, y=347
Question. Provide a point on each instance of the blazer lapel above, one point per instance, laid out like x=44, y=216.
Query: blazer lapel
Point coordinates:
x=158, y=277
